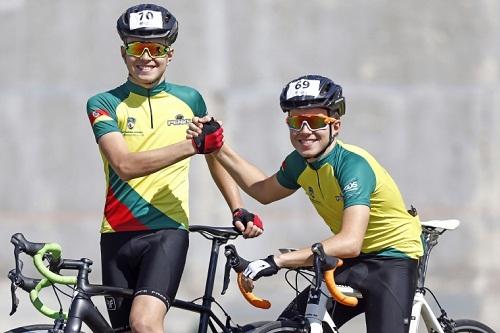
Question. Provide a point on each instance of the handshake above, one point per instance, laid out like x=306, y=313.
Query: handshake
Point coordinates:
x=206, y=135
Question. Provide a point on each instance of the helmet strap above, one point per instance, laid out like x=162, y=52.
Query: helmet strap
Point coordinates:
x=330, y=141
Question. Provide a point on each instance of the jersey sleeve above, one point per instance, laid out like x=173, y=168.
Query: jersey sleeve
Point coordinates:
x=191, y=97
x=199, y=107
x=357, y=181
x=290, y=170
x=102, y=115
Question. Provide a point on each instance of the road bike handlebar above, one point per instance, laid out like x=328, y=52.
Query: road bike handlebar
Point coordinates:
x=239, y=264
x=327, y=265
x=39, y=251
x=51, y=252
x=324, y=267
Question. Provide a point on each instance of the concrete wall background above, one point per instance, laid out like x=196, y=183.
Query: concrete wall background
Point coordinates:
x=421, y=80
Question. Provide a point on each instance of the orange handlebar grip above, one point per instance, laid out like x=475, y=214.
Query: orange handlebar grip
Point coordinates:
x=334, y=290
x=251, y=298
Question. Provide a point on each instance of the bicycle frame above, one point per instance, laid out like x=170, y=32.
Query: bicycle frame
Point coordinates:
x=82, y=309
x=422, y=310
x=205, y=311
x=316, y=313
x=316, y=310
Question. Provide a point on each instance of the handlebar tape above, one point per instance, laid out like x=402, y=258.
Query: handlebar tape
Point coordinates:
x=55, y=250
x=334, y=290
x=38, y=304
x=251, y=298
x=49, y=279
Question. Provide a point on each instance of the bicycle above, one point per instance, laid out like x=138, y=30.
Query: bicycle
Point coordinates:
x=318, y=320
x=82, y=310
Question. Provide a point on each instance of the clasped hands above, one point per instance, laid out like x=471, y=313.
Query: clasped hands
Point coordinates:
x=206, y=134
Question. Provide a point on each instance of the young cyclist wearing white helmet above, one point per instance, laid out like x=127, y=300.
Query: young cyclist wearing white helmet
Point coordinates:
x=372, y=231
x=140, y=129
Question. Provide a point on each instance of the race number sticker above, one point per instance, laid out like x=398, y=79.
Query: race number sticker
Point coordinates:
x=303, y=88
x=145, y=19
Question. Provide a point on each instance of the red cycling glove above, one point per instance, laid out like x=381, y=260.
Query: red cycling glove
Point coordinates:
x=244, y=216
x=210, y=139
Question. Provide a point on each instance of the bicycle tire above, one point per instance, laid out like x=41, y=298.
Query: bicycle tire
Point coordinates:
x=38, y=328
x=281, y=326
x=251, y=327
x=471, y=326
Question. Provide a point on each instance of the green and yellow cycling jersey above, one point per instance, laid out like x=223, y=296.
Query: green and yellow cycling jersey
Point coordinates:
x=148, y=119
x=347, y=176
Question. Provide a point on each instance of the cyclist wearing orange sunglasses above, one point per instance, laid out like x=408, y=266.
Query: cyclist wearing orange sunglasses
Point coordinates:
x=372, y=231
x=140, y=129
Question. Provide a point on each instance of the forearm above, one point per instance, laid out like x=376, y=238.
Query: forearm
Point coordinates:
x=294, y=259
x=248, y=177
x=130, y=165
x=339, y=246
x=227, y=186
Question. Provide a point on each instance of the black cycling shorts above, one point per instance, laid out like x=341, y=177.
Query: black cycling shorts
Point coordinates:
x=150, y=262
x=388, y=287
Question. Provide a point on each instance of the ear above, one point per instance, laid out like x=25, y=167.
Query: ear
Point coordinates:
x=122, y=51
x=170, y=55
x=336, y=125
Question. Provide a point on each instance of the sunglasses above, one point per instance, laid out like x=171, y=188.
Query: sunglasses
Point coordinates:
x=155, y=50
x=314, y=122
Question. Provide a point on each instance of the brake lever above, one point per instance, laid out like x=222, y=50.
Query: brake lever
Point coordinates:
x=319, y=258
x=19, y=267
x=225, y=283
x=233, y=260
x=13, y=287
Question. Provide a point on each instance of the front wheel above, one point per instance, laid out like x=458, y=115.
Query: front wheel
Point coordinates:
x=470, y=326
x=35, y=329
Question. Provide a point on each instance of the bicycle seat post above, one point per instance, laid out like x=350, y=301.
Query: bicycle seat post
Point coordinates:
x=217, y=242
x=430, y=239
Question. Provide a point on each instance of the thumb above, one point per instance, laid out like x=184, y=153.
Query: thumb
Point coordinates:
x=239, y=226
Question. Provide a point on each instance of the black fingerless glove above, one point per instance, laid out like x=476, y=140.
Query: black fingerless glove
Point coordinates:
x=244, y=216
x=210, y=139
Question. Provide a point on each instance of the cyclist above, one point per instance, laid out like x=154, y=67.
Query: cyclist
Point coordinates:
x=373, y=232
x=140, y=129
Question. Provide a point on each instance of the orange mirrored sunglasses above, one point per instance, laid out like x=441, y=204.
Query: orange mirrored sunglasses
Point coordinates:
x=155, y=50
x=314, y=122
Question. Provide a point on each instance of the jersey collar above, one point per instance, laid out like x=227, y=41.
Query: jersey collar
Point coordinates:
x=316, y=165
x=137, y=89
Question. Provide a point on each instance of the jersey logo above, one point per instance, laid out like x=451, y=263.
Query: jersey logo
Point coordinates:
x=352, y=186
x=310, y=192
x=179, y=120
x=110, y=302
x=96, y=114
x=130, y=122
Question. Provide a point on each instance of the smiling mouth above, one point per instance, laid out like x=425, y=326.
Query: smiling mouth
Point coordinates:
x=307, y=142
x=145, y=68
